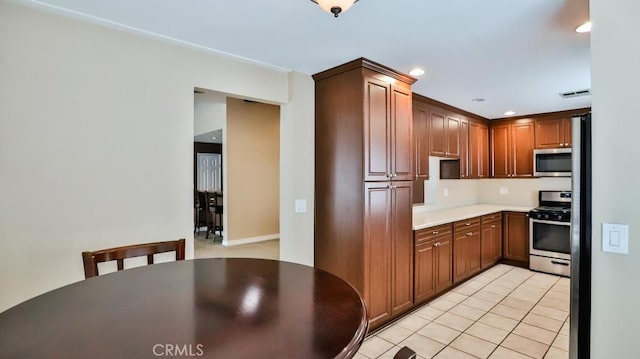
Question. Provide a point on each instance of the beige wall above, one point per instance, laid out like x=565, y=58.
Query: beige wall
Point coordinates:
x=615, y=56
x=96, y=143
x=253, y=171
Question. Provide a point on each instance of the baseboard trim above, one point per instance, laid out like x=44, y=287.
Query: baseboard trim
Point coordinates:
x=237, y=242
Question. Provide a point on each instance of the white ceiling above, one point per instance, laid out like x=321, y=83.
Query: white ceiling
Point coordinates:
x=517, y=54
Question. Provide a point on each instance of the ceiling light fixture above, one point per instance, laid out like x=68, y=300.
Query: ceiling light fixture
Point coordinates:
x=477, y=99
x=416, y=72
x=586, y=27
x=335, y=7
x=509, y=113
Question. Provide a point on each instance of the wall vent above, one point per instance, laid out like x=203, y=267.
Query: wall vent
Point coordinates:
x=575, y=93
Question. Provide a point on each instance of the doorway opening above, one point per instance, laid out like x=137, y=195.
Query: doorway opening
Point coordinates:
x=237, y=157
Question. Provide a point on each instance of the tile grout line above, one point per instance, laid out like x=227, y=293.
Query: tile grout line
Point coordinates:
x=520, y=284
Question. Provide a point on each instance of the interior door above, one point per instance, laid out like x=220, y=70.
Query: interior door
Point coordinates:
x=209, y=172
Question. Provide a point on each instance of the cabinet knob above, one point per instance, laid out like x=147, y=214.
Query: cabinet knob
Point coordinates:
x=467, y=224
x=436, y=244
x=493, y=226
x=469, y=233
x=435, y=232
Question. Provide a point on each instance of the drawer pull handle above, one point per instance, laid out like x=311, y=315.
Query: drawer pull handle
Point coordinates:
x=493, y=226
x=467, y=224
x=560, y=263
x=469, y=233
x=435, y=232
x=436, y=244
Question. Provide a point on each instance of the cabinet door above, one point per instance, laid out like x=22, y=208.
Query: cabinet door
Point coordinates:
x=478, y=150
x=473, y=251
x=421, y=149
x=378, y=249
x=438, y=133
x=483, y=152
x=566, y=132
x=523, y=135
x=460, y=265
x=491, y=243
x=465, y=151
x=515, y=231
x=425, y=271
x=402, y=134
x=453, y=132
x=444, y=253
x=377, y=131
x=402, y=247
x=500, y=150
x=550, y=133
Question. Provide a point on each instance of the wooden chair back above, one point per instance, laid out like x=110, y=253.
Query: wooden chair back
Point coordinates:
x=119, y=254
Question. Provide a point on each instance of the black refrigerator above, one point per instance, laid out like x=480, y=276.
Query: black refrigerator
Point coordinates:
x=580, y=321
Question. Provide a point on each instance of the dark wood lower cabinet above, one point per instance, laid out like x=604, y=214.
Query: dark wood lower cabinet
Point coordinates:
x=388, y=289
x=432, y=262
x=515, y=233
x=491, y=240
x=466, y=249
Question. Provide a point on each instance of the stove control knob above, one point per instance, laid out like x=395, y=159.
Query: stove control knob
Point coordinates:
x=544, y=216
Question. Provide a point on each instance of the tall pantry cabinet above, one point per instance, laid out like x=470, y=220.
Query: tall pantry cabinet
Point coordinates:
x=363, y=183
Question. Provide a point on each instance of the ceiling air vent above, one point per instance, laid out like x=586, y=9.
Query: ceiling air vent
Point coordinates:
x=575, y=93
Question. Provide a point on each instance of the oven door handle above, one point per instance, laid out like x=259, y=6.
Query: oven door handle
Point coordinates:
x=550, y=222
x=560, y=263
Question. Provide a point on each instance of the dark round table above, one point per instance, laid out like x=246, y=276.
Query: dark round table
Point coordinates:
x=207, y=308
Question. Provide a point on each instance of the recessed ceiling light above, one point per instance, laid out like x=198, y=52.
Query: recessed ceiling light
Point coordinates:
x=509, y=113
x=586, y=27
x=477, y=99
x=416, y=72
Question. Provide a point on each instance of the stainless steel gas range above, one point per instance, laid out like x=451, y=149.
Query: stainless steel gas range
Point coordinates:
x=550, y=233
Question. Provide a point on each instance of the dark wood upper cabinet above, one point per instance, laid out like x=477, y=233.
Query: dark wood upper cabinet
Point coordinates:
x=478, y=150
x=553, y=133
x=421, y=149
x=512, y=144
x=438, y=140
x=363, y=183
x=464, y=149
x=401, y=124
x=377, y=130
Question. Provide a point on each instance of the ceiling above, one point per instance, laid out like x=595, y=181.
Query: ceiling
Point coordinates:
x=517, y=55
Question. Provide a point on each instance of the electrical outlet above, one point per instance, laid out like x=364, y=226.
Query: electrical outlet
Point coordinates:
x=446, y=192
x=504, y=190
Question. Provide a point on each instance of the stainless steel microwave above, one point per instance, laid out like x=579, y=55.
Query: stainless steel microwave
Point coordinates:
x=552, y=162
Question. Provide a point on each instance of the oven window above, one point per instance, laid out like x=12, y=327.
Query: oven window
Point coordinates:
x=551, y=237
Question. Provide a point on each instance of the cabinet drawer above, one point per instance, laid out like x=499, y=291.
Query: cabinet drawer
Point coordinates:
x=435, y=232
x=493, y=217
x=467, y=223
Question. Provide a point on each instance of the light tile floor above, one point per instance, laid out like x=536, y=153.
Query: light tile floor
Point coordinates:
x=504, y=313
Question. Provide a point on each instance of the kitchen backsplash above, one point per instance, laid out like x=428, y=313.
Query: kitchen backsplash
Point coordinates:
x=440, y=194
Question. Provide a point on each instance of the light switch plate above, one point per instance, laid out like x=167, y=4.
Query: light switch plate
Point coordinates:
x=504, y=190
x=301, y=205
x=615, y=238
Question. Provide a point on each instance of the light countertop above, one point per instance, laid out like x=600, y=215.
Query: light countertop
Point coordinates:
x=433, y=218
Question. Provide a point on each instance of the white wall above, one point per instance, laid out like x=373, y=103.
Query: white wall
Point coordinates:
x=615, y=59
x=297, y=121
x=96, y=143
